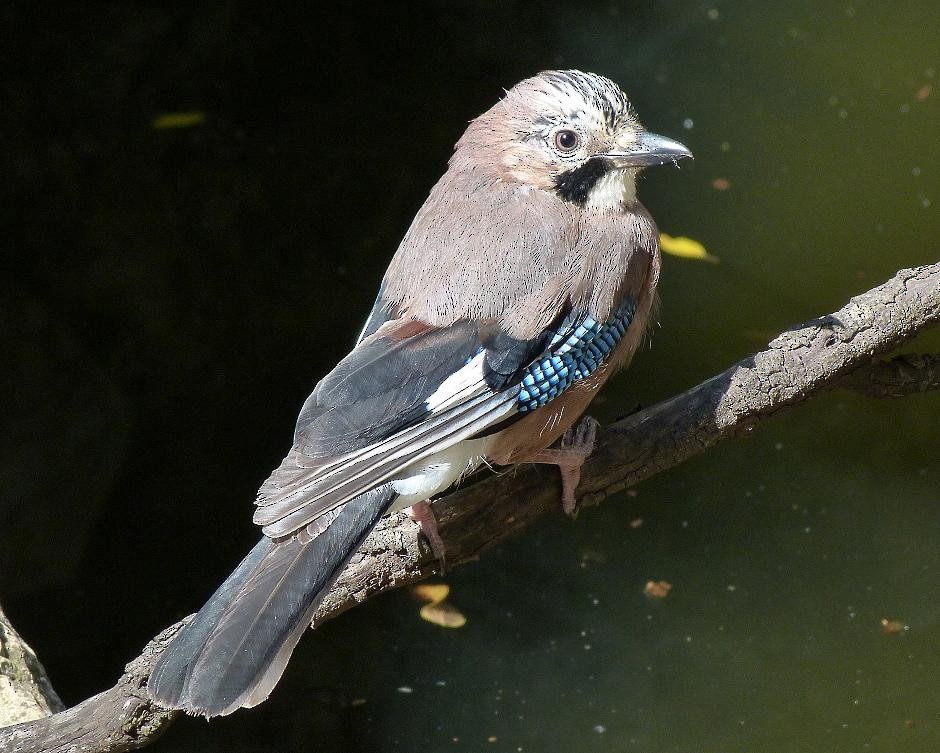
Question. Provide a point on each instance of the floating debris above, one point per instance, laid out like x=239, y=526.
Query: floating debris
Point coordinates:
x=591, y=554
x=657, y=589
x=178, y=120
x=892, y=627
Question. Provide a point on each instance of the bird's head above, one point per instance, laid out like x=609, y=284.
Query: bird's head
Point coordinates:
x=569, y=132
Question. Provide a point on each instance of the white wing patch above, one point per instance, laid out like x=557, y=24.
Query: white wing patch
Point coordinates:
x=459, y=385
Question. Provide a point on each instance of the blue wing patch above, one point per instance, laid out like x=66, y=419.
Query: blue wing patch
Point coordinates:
x=572, y=355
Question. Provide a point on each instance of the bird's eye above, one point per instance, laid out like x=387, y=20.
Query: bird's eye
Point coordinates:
x=566, y=140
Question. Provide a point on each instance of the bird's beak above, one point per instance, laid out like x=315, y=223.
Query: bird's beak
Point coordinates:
x=652, y=149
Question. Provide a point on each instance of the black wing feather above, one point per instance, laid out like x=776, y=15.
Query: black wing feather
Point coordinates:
x=382, y=386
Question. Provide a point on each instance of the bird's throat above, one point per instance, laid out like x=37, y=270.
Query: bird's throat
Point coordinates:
x=614, y=192
x=597, y=185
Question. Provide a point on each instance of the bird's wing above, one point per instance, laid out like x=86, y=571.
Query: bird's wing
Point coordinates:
x=379, y=314
x=403, y=393
x=411, y=390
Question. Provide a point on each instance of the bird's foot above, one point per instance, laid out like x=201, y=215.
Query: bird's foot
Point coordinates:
x=576, y=446
x=422, y=514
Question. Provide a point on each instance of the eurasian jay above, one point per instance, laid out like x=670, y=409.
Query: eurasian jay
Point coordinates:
x=526, y=279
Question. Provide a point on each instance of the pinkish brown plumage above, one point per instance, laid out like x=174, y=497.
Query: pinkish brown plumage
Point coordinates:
x=523, y=248
x=526, y=279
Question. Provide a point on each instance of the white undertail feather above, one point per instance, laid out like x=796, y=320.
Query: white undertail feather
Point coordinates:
x=436, y=473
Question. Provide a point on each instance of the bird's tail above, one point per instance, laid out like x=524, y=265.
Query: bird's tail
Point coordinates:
x=233, y=652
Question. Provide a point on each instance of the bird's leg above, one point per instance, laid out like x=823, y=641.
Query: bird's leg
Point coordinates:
x=422, y=514
x=575, y=447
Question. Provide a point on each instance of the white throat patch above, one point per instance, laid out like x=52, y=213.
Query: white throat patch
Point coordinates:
x=614, y=192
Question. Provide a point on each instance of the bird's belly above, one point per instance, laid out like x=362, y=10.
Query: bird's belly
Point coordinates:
x=425, y=478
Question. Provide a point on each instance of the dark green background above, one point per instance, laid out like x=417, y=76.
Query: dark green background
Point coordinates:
x=169, y=298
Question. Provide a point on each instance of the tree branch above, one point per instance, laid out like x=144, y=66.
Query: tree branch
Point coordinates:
x=901, y=376
x=838, y=350
x=25, y=691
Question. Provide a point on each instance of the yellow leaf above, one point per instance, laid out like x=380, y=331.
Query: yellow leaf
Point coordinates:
x=431, y=592
x=444, y=614
x=438, y=611
x=686, y=248
x=179, y=120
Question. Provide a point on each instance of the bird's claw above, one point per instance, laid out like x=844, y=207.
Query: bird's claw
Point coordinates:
x=575, y=447
x=581, y=438
x=579, y=442
x=422, y=514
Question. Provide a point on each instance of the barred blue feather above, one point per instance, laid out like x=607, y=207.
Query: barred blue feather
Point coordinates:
x=572, y=357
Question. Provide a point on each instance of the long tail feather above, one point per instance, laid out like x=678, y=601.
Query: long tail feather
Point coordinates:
x=233, y=652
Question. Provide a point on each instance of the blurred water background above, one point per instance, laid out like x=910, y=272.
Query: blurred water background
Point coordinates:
x=169, y=296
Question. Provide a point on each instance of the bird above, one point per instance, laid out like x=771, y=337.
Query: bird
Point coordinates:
x=525, y=280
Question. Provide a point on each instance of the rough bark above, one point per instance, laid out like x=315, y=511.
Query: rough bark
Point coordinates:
x=25, y=691
x=904, y=375
x=839, y=350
